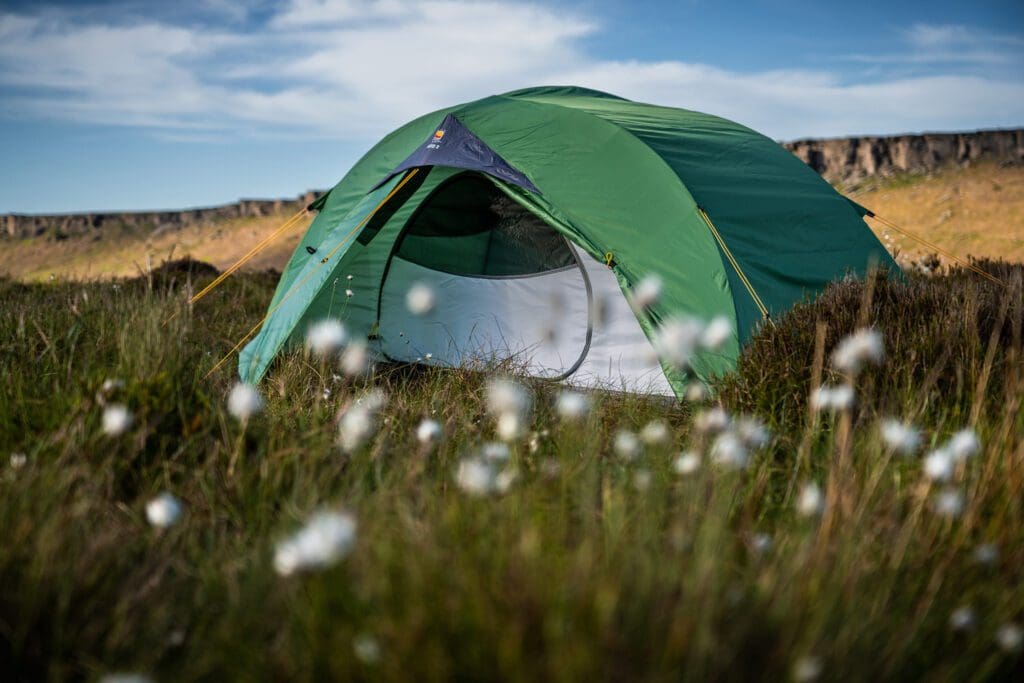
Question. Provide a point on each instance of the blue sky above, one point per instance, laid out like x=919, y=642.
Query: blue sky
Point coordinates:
x=130, y=105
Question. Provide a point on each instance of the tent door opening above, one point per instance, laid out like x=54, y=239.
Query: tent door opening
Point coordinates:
x=506, y=285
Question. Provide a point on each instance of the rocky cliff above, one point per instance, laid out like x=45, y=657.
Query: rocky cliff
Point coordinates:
x=851, y=159
x=146, y=222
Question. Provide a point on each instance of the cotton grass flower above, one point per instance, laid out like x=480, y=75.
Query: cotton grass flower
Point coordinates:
x=938, y=466
x=116, y=419
x=832, y=399
x=642, y=480
x=626, y=445
x=126, y=677
x=1010, y=637
x=325, y=337
x=900, y=436
x=476, y=476
x=355, y=359
x=358, y=423
x=18, y=460
x=244, y=401
x=712, y=421
x=495, y=451
x=687, y=463
x=324, y=541
x=963, y=445
x=676, y=341
x=509, y=427
x=807, y=668
x=761, y=543
x=505, y=395
x=646, y=293
x=962, y=619
x=948, y=503
x=986, y=554
x=863, y=347
x=655, y=433
x=504, y=480
x=355, y=428
x=366, y=649
x=811, y=501
x=419, y=299
x=717, y=333
x=429, y=432
x=728, y=450
x=696, y=392
x=752, y=432
x=163, y=511
x=572, y=406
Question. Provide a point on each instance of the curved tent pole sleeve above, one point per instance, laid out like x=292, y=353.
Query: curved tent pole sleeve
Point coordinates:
x=736, y=266
x=323, y=262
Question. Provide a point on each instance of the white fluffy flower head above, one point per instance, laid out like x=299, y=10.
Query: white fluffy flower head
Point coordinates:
x=832, y=398
x=476, y=476
x=655, y=433
x=429, y=432
x=420, y=299
x=811, y=501
x=938, y=465
x=325, y=337
x=646, y=293
x=900, y=436
x=717, y=333
x=686, y=463
x=571, y=405
x=728, y=450
x=163, y=511
x=861, y=348
x=116, y=419
x=322, y=542
x=244, y=401
x=505, y=395
x=626, y=445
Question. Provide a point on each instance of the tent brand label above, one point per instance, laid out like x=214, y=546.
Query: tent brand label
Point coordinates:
x=438, y=134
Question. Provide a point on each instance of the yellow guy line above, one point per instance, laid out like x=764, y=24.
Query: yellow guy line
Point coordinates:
x=299, y=284
x=970, y=266
x=736, y=266
x=245, y=259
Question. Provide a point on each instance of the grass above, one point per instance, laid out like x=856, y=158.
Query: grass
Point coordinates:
x=589, y=567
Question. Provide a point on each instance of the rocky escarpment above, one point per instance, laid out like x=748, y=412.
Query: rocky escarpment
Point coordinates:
x=855, y=158
x=144, y=222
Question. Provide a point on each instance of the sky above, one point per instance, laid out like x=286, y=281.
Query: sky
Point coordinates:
x=129, y=105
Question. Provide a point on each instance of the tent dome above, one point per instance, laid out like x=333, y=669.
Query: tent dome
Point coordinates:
x=529, y=211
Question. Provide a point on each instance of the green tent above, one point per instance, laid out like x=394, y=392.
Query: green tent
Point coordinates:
x=530, y=215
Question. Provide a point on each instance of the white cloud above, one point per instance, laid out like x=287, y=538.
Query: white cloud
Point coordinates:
x=357, y=68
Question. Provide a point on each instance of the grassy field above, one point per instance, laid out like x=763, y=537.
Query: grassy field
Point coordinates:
x=588, y=561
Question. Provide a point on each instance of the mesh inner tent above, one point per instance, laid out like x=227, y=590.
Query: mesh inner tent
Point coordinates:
x=470, y=227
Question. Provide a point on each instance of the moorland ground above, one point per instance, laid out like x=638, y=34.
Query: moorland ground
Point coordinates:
x=590, y=561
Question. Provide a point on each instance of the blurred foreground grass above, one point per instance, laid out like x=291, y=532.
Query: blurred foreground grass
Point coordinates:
x=590, y=565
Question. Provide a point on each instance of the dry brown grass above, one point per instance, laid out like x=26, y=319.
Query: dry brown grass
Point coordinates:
x=87, y=258
x=976, y=211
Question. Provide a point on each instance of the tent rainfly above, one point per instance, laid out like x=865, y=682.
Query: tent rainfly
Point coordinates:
x=534, y=215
